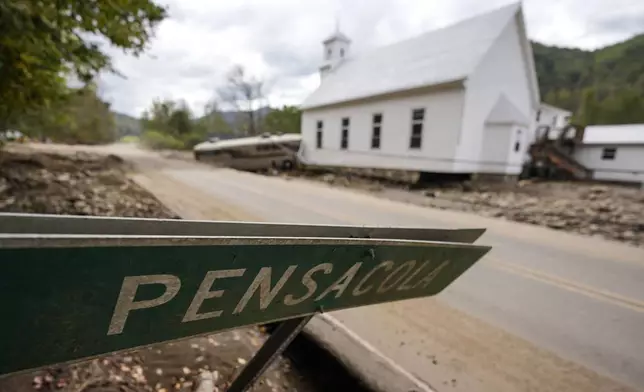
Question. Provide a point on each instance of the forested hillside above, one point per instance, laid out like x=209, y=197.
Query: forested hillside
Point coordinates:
x=126, y=125
x=50, y=58
x=605, y=86
x=80, y=117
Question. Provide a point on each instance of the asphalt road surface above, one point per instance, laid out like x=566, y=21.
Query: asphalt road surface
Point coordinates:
x=545, y=310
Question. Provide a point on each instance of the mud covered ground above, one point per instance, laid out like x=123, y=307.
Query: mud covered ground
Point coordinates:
x=89, y=184
x=78, y=184
x=168, y=367
x=609, y=211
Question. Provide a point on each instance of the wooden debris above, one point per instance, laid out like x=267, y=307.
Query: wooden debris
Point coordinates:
x=37, y=382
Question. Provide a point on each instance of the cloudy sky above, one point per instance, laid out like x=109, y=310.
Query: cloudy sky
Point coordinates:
x=280, y=40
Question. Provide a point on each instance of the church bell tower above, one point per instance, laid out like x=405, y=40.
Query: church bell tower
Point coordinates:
x=336, y=49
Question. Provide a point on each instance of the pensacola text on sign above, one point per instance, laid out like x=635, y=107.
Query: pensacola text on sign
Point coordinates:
x=73, y=297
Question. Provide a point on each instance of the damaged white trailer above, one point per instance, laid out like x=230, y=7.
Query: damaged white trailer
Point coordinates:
x=252, y=153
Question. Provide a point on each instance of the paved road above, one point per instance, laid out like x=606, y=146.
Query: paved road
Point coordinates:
x=545, y=310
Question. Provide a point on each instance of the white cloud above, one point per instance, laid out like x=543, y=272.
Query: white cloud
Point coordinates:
x=279, y=40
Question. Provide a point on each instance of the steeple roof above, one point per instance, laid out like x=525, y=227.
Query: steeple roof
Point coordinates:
x=337, y=36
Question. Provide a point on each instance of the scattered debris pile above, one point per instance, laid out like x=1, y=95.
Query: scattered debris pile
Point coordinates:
x=170, y=367
x=610, y=211
x=88, y=184
x=346, y=179
x=80, y=184
x=613, y=212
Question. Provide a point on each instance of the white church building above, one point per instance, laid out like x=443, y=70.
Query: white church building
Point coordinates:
x=461, y=99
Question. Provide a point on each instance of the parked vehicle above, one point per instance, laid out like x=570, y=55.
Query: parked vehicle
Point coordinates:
x=13, y=136
x=252, y=153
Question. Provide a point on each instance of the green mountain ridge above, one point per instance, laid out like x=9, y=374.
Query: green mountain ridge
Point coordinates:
x=603, y=86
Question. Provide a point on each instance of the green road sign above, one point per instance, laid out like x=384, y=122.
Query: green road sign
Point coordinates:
x=66, y=297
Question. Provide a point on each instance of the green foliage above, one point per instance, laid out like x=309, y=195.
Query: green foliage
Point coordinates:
x=43, y=43
x=175, y=123
x=587, y=113
x=287, y=120
x=167, y=116
x=126, y=125
x=130, y=139
x=160, y=141
x=192, y=139
x=180, y=122
x=627, y=107
x=93, y=120
x=605, y=86
x=620, y=107
x=213, y=122
x=80, y=117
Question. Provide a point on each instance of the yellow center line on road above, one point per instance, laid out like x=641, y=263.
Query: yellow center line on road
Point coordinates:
x=525, y=272
x=598, y=294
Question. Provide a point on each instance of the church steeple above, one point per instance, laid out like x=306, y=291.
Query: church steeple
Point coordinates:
x=336, y=49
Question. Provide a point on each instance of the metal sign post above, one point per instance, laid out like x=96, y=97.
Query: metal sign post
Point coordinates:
x=101, y=285
x=273, y=348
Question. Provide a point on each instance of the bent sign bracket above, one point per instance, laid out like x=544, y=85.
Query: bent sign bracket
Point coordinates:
x=97, y=294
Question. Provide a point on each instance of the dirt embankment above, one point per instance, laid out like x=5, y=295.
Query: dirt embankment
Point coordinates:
x=87, y=184
x=610, y=211
x=79, y=184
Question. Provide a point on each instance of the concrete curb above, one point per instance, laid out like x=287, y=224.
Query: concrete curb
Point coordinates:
x=379, y=372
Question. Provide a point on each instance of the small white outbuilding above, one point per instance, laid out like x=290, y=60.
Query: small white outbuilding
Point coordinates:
x=461, y=99
x=613, y=152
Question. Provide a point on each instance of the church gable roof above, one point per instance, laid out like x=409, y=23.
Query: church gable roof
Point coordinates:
x=441, y=56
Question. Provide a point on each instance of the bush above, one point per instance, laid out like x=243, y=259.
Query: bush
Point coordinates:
x=192, y=139
x=130, y=139
x=160, y=141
